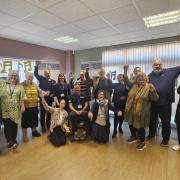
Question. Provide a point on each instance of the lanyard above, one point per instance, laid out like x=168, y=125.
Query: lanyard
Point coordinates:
x=79, y=102
x=11, y=90
x=61, y=88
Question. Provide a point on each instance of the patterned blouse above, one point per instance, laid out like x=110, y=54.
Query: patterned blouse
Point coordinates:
x=11, y=97
x=32, y=95
x=58, y=117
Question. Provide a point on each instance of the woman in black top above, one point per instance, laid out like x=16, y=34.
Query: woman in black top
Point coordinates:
x=119, y=100
x=62, y=91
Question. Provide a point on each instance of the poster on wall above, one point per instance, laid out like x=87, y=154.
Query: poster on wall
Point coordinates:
x=94, y=67
x=21, y=65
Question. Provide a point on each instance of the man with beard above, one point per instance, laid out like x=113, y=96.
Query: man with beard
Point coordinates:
x=164, y=82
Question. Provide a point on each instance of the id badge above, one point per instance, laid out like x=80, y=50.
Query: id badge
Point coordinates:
x=62, y=94
x=79, y=106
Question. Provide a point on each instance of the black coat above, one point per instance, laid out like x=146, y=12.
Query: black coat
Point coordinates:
x=95, y=108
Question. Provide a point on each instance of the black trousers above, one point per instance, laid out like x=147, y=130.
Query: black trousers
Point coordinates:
x=10, y=130
x=118, y=119
x=45, y=117
x=57, y=137
x=164, y=112
x=177, y=120
x=76, y=119
x=140, y=133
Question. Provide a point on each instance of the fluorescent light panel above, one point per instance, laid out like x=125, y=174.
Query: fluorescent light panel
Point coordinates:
x=66, y=39
x=162, y=19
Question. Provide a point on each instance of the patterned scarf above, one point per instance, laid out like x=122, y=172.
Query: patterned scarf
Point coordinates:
x=136, y=96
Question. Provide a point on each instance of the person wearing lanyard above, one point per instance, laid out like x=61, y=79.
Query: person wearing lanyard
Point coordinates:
x=62, y=90
x=12, y=104
x=78, y=105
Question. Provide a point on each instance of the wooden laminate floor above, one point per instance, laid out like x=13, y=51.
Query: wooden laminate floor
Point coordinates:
x=39, y=160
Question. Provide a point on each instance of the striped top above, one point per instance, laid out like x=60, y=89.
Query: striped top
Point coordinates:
x=31, y=92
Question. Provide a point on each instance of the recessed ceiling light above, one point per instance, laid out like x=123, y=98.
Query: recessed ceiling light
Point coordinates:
x=162, y=19
x=66, y=39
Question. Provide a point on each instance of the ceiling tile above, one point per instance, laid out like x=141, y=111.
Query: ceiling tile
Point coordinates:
x=22, y=9
x=105, y=5
x=91, y=23
x=152, y=7
x=121, y=15
x=84, y=36
x=46, y=19
x=51, y=34
x=163, y=35
x=164, y=29
x=27, y=27
x=11, y=33
x=44, y=3
x=6, y=20
x=70, y=10
x=103, y=32
x=68, y=29
x=135, y=25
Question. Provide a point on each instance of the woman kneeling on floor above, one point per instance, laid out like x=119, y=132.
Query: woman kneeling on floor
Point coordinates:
x=58, y=126
x=99, y=115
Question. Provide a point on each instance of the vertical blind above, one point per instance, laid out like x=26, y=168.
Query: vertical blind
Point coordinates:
x=114, y=60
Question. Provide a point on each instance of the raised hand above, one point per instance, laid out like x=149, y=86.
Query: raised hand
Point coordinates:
x=151, y=88
x=119, y=113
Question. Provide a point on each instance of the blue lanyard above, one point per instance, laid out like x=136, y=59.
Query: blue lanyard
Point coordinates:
x=61, y=88
x=79, y=102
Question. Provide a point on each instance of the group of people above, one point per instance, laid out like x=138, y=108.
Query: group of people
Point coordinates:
x=140, y=100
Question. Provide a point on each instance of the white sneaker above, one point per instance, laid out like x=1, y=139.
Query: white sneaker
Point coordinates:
x=176, y=148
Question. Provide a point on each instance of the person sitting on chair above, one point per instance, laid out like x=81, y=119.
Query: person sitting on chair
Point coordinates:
x=58, y=126
x=78, y=116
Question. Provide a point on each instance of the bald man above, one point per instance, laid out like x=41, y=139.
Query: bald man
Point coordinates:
x=45, y=84
x=164, y=82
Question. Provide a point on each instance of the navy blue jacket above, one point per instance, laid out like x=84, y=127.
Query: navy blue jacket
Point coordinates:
x=165, y=85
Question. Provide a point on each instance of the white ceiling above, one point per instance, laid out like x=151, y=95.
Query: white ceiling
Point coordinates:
x=95, y=23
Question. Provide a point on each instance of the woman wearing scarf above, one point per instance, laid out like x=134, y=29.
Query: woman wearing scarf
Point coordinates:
x=99, y=115
x=137, y=110
x=58, y=126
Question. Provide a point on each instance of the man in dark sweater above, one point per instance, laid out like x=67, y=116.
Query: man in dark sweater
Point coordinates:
x=45, y=84
x=164, y=82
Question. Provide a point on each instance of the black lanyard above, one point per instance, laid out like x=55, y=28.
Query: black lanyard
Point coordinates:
x=79, y=100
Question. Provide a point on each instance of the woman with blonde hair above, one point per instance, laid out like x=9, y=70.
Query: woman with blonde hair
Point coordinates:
x=30, y=116
x=12, y=104
x=137, y=109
